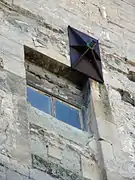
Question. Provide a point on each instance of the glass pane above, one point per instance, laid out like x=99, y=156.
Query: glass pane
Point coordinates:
x=67, y=114
x=39, y=100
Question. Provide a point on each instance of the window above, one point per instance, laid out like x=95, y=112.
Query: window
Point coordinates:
x=68, y=114
x=58, y=90
x=57, y=108
x=39, y=100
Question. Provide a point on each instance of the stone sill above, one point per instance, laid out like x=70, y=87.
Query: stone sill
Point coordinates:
x=57, y=127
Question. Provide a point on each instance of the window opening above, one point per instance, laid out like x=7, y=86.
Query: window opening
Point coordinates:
x=68, y=114
x=65, y=91
x=55, y=107
x=39, y=100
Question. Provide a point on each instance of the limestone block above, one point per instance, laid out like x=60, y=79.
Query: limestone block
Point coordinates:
x=14, y=125
x=113, y=13
x=12, y=175
x=12, y=164
x=126, y=13
x=4, y=160
x=38, y=147
x=3, y=84
x=15, y=35
x=39, y=175
x=10, y=47
x=130, y=52
x=3, y=173
x=115, y=175
x=12, y=64
x=71, y=160
x=55, y=152
x=93, y=146
x=54, y=170
x=127, y=24
x=107, y=150
x=58, y=127
x=89, y=169
x=17, y=167
x=107, y=131
x=26, y=178
x=15, y=84
x=12, y=84
x=21, y=151
x=112, y=79
x=7, y=116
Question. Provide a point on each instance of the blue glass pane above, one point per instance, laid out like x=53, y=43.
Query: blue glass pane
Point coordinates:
x=39, y=100
x=67, y=114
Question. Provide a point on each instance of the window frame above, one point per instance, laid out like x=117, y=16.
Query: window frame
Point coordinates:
x=54, y=97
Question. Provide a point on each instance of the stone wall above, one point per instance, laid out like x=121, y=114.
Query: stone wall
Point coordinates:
x=32, y=144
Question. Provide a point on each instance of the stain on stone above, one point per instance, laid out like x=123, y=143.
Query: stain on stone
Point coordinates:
x=59, y=69
x=10, y=82
x=56, y=30
x=131, y=76
x=6, y=4
x=100, y=139
x=126, y=96
x=15, y=84
x=39, y=130
x=1, y=63
x=54, y=170
x=34, y=79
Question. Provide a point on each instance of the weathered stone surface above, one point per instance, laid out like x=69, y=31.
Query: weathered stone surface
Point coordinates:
x=71, y=160
x=112, y=176
x=54, y=170
x=131, y=76
x=13, y=65
x=107, y=147
x=50, y=146
x=12, y=83
x=22, y=149
x=12, y=104
x=126, y=96
x=107, y=131
x=42, y=26
x=55, y=152
x=54, y=84
x=13, y=165
x=3, y=172
x=12, y=175
x=38, y=147
x=90, y=169
x=51, y=124
x=12, y=48
x=40, y=175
